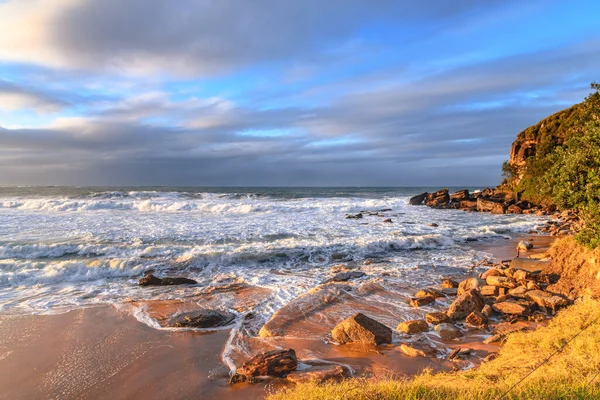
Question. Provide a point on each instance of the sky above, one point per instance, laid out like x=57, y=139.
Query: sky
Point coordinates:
x=283, y=92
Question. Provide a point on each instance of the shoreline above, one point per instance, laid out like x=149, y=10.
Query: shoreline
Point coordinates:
x=103, y=352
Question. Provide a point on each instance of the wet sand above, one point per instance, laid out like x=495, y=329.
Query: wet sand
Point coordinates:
x=104, y=353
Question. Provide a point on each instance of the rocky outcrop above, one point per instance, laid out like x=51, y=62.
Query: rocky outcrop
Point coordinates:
x=361, y=329
x=438, y=199
x=202, y=319
x=277, y=363
x=418, y=199
x=151, y=280
x=494, y=207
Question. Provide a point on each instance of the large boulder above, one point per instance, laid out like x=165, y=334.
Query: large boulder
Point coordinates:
x=491, y=206
x=362, y=329
x=448, y=331
x=151, y=280
x=418, y=199
x=469, y=284
x=277, y=363
x=201, y=319
x=459, y=196
x=468, y=205
x=512, y=308
x=545, y=299
x=436, y=318
x=441, y=198
x=465, y=304
x=413, y=327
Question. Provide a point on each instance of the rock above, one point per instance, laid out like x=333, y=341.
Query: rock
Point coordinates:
x=524, y=245
x=449, y=284
x=469, y=284
x=459, y=196
x=468, y=205
x=489, y=290
x=277, y=363
x=512, y=308
x=413, y=327
x=355, y=216
x=418, y=349
x=389, y=221
x=487, y=311
x=346, y=276
x=433, y=225
x=531, y=266
x=361, y=329
x=501, y=281
x=438, y=199
x=421, y=301
x=545, y=299
x=476, y=318
x=491, y=272
x=532, y=286
x=418, y=199
x=436, y=318
x=502, y=297
x=518, y=292
x=448, y=331
x=450, y=291
x=151, y=280
x=514, y=209
x=490, y=357
x=429, y=292
x=521, y=275
x=201, y=319
x=490, y=206
x=320, y=374
x=465, y=304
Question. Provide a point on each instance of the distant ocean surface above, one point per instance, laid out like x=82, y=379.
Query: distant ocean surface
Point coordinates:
x=63, y=248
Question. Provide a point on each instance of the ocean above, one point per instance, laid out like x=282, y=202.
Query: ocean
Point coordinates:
x=65, y=248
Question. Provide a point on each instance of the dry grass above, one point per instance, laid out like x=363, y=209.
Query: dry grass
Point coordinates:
x=566, y=376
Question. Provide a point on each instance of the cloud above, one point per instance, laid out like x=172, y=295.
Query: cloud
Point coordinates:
x=14, y=97
x=199, y=37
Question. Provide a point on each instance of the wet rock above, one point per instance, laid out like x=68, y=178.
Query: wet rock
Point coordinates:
x=320, y=374
x=429, y=292
x=438, y=199
x=413, y=327
x=514, y=209
x=421, y=301
x=361, y=329
x=418, y=349
x=487, y=311
x=450, y=291
x=389, y=221
x=476, y=318
x=468, y=205
x=501, y=281
x=277, y=363
x=436, y=318
x=490, y=206
x=346, y=276
x=433, y=225
x=545, y=299
x=518, y=292
x=448, y=331
x=201, y=319
x=449, y=284
x=354, y=216
x=524, y=245
x=151, y=280
x=512, y=308
x=418, y=199
x=465, y=304
x=469, y=284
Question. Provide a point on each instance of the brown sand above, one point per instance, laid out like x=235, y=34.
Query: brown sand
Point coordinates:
x=102, y=353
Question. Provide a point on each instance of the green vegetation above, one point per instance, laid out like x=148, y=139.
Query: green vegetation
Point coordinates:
x=570, y=374
x=565, y=169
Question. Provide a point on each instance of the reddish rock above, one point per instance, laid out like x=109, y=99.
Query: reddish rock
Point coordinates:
x=465, y=304
x=361, y=329
x=469, y=284
x=429, y=292
x=320, y=374
x=449, y=284
x=151, y=280
x=524, y=245
x=487, y=311
x=476, y=318
x=501, y=281
x=514, y=209
x=512, y=308
x=468, y=205
x=545, y=299
x=459, y=196
x=272, y=363
x=438, y=199
x=418, y=349
x=489, y=290
x=436, y=318
x=490, y=206
x=448, y=331
x=421, y=301
x=413, y=327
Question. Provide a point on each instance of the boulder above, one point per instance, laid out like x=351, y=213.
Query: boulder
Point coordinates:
x=545, y=299
x=421, y=301
x=277, y=363
x=354, y=216
x=501, y=281
x=487, y=311
x=450, y=291
x=459, y=196
x=469, y=284
x=429, y=292
x=418, y=199
x=518, y=292
x=468, y=205
x=346, y=276
x=436, y=318
x=433, y=225
x=413, y=327
x=449, y=284
x=491, y=206
x=476, y=318
x=514, y=209
x=389, y=221
x=448, y=331
x=524, y=245
x=491, y=272
x=489, y=290
x=417, y=349
x=201, y=319
x=438, y=199
x=361, y=329
x=151, y=280
x=465, y=304
x=512, y=308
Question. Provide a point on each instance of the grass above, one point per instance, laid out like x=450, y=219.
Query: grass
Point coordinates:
x=566, y=376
